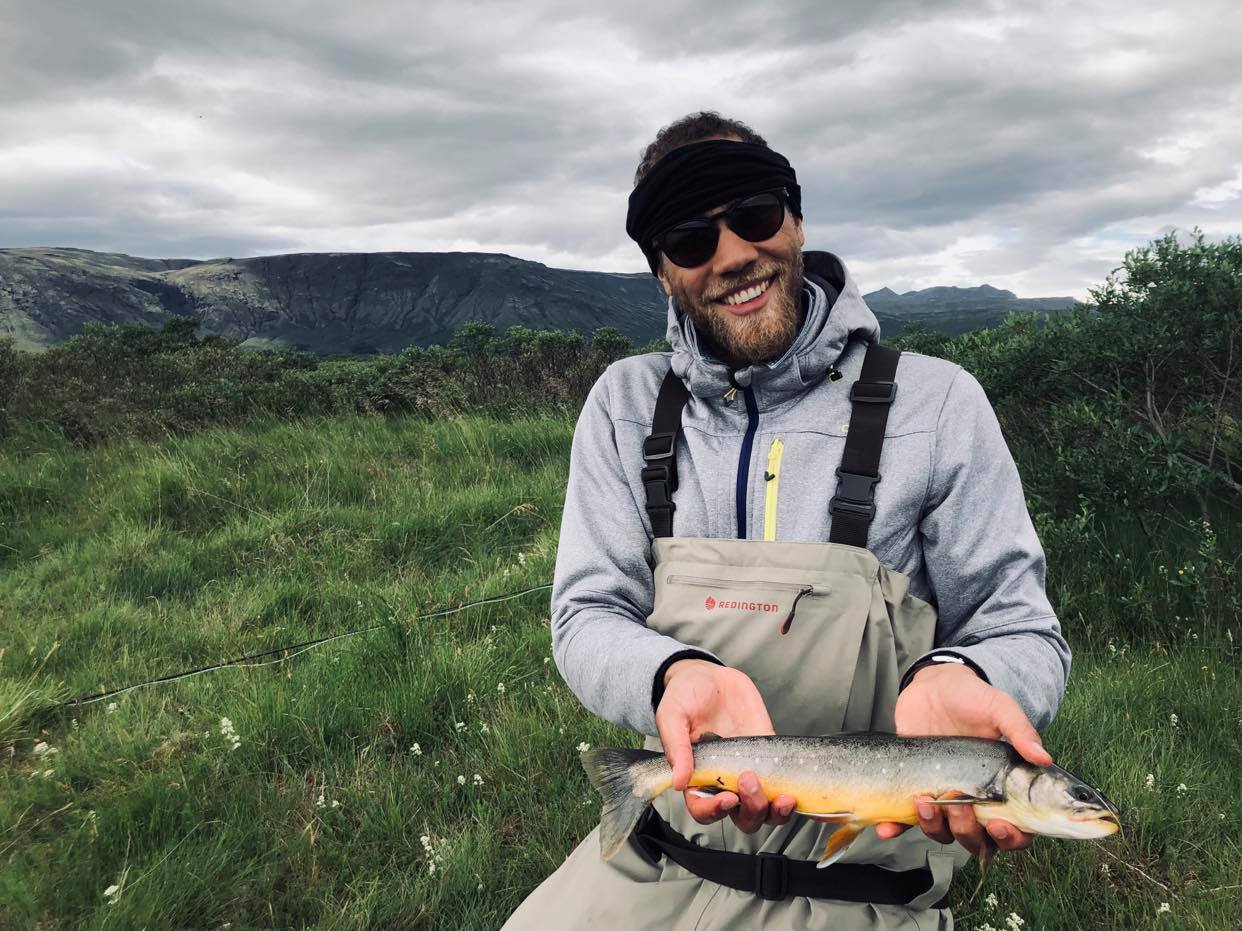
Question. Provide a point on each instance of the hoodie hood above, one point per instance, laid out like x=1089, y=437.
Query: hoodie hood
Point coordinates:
x=836, y=314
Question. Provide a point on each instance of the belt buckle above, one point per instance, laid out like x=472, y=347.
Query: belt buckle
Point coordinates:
x=771, y=876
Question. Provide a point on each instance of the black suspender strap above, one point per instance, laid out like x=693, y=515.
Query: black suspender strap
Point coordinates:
x=853, y=505
x=660, y=454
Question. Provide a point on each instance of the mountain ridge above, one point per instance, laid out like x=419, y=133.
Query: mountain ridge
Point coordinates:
x=367, y=302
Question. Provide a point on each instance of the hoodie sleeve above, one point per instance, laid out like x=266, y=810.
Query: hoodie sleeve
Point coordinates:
x=603, y=589
x=984, y=561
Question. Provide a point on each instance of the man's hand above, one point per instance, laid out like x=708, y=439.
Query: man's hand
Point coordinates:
x=950, y=700
x=703, y=698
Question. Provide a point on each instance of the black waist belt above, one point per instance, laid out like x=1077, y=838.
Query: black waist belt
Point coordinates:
x=775, y=876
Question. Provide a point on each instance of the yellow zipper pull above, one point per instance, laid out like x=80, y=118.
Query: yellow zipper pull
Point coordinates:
x=730, y=395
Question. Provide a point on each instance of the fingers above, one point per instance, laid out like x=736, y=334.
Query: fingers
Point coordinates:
x=709, y=810
x=674, y=728
x=932, y=820
x=753, y=810
x=1006, y=836
x=1013, y=725
x=966, y=829
x=889, y=829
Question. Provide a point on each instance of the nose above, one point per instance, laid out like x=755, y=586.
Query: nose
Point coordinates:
x=733, y=253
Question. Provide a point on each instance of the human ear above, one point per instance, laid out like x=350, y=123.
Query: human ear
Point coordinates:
x=668, y=288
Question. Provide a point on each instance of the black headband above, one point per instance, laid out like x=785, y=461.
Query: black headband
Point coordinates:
x=698, y=177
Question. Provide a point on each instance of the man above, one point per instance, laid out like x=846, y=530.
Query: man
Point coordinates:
x=934, y=620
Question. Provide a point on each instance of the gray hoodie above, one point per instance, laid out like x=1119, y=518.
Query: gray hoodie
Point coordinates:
x=950, y=513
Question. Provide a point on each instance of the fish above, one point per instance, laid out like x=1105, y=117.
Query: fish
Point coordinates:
x=857, y=780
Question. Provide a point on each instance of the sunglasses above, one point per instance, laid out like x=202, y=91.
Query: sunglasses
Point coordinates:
x=754, y=219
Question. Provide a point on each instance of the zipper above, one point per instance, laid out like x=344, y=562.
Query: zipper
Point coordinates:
x=772, y=481
x=800, y=587
x=743, y=465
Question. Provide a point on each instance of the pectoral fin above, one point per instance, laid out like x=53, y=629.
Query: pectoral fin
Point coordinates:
x=706, y=792
x=957, y=797
x=985, y=855
x=827, y=817
x=839, y=842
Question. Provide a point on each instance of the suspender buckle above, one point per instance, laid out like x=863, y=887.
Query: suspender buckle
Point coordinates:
x=873, y=392
x=771, y=876
x=659, y=446
x=855, y=494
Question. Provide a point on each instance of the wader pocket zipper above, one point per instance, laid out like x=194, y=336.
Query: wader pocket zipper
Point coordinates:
x=800, y=587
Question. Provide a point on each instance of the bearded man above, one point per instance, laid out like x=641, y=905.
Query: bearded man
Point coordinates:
x=775, y=439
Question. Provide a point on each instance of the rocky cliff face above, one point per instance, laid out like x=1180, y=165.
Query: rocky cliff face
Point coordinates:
x=362, y=303
x=325, y=302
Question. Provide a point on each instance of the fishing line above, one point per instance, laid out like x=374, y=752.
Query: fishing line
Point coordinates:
x=302, y=647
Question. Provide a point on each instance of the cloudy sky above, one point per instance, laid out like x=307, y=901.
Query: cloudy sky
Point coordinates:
x=1023, y=144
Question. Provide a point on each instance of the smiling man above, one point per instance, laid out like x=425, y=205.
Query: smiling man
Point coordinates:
x=784, y=527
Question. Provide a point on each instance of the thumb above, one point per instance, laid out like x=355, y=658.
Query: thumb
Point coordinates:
x=1013, y=725
x=674, y=728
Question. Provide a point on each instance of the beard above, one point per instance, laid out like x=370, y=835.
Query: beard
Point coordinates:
x=764, y=334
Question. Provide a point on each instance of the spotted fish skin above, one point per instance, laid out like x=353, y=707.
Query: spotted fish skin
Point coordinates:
x=857, y=780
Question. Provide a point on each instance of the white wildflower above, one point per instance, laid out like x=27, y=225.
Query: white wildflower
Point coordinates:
x=431, y=867
x=991, y=900
x=1182, y=788
x=478, y=780
x=546, y=660
x=460, y=725
x=1150, y=782
x=112, y=893
x=1104, y=869
x=584, y=747
x=562, y=730
x=1164, y=907
x=416, y=750
x=336, y=804
x=42, y=749
x=111, y=707
x=49, y=773
x=319, y=802
x=480, y=889
x=1112, y=647
x=484, y=729
x=1173, y=720
x=461, y=780
x=1014, y=921
x=226, y=730
x=500, y=687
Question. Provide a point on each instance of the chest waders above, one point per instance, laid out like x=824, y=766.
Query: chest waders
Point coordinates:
x=824, y=631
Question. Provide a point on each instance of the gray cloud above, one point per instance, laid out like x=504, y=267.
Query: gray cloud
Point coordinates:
x=937, y=143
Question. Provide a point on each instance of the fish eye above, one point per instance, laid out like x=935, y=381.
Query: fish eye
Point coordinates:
x=1081, y=793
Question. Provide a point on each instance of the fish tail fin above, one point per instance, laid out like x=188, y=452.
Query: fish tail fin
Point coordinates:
x=627, y=780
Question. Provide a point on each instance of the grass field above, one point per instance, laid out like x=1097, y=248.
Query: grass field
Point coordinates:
x=424, y=774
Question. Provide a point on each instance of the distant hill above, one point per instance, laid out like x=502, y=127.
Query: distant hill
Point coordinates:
x=363, y=303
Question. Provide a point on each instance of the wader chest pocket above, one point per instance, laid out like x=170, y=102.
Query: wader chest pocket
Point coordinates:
x=799, y=590
x=737, y=612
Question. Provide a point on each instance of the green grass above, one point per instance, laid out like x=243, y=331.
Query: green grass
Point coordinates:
x=134, y=560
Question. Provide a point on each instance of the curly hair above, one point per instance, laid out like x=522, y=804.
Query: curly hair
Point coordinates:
x=706, y=124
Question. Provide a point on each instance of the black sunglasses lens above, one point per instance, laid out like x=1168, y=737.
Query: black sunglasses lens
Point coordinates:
x=755, y=219
x=758, y=220
x=690, y=246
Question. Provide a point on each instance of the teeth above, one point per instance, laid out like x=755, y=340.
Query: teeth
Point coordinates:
x=741, y=297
